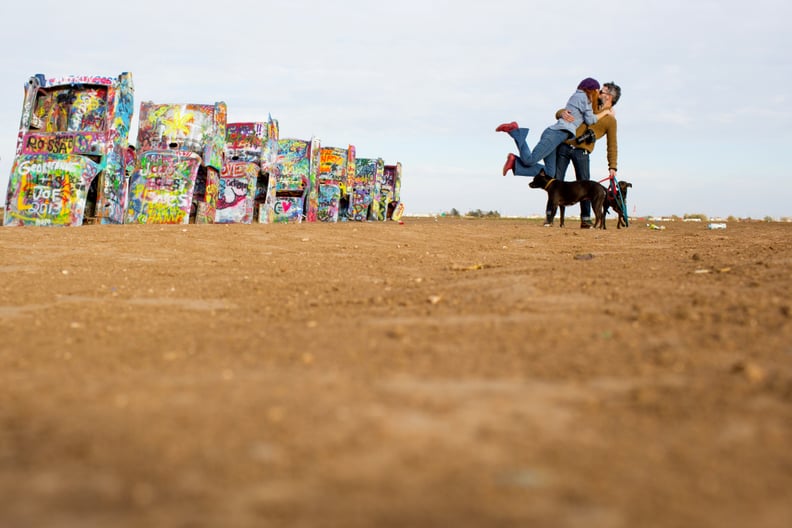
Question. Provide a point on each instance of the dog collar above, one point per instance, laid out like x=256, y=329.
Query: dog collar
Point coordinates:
x=549, y=183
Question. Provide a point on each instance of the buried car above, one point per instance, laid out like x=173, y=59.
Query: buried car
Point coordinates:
x=291, y=192
x=180, y=157
x=245, y=179
x=69, y=166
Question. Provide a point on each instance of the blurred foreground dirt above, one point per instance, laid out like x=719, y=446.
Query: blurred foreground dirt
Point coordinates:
x=442, y=372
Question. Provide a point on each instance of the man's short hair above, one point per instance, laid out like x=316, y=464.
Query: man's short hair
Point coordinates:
x=614, y=90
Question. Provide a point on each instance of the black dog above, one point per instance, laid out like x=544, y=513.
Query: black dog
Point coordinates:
x=613, y=200
x=561, y=194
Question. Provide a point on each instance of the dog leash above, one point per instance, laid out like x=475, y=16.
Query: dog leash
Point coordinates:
x=615, y=190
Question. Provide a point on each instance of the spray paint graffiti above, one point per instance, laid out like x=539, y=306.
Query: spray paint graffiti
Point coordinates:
x=245, y=141
x=48, y=189
x=161, y=188
x=185, y=127
x=288, y=209
x=79, y=143
x=70, y=108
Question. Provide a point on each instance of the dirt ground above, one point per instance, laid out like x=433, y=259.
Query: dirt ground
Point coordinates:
x=440, y=372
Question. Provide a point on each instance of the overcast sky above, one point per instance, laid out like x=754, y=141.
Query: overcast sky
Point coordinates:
x=704, y=119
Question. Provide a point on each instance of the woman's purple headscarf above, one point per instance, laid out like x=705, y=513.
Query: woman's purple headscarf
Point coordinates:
x=589, y=84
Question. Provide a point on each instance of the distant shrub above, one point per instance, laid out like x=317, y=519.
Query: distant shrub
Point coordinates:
x=700, y=216
x=768, y=218
x=478, y=213
x=453, y=212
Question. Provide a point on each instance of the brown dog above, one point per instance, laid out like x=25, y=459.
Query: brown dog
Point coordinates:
x=612, y=200
x=561, y=194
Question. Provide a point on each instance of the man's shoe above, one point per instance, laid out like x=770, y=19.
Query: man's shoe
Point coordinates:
x=507, y=127
x=548, y=224
x=509, y=165
x=586, y=225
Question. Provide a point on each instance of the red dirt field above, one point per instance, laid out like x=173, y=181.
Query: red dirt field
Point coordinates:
x=441, y=372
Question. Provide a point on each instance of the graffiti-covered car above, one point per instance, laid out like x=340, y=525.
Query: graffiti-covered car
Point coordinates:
x=179, y=160
x=365, y=188
x=336, y=171
x=69, y=165
x=389, y=206
x=244, y=181
x=291, y=193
